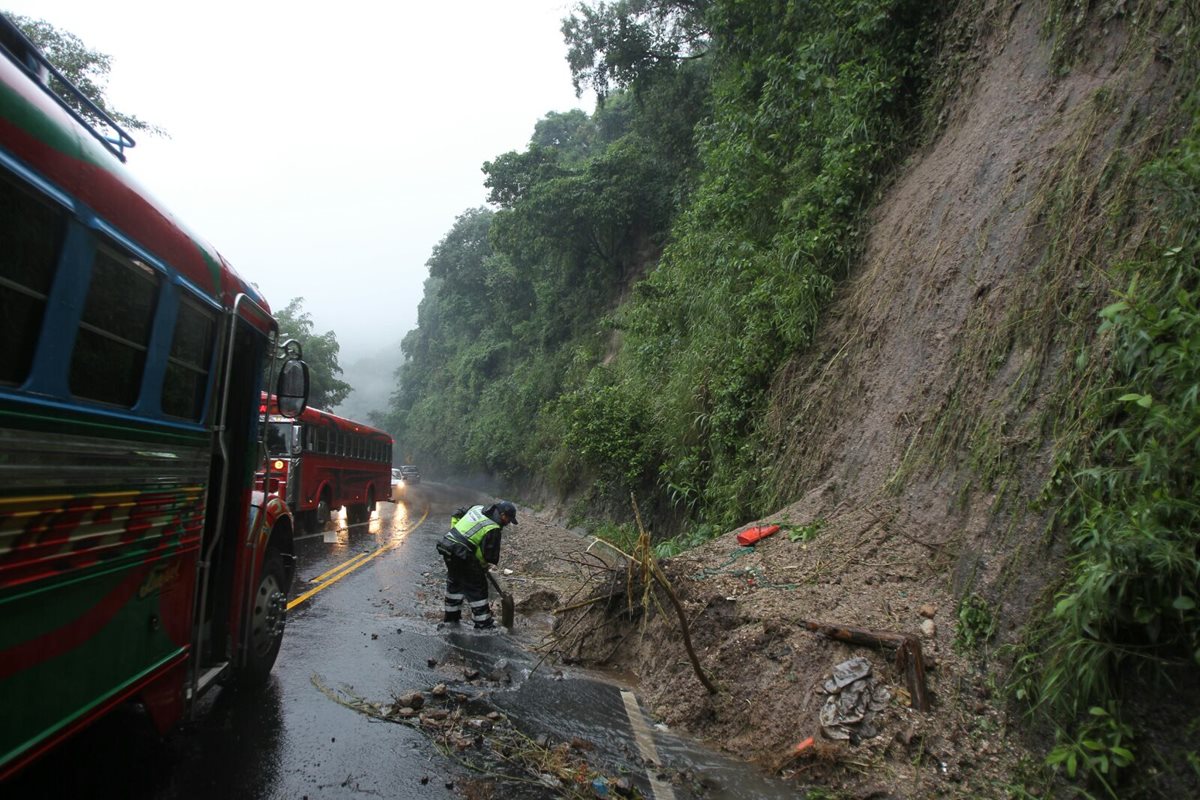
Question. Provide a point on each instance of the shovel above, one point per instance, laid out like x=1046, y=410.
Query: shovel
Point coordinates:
x=506, y=603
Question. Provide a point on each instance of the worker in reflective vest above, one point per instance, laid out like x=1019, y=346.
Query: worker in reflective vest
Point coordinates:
x=469, y=548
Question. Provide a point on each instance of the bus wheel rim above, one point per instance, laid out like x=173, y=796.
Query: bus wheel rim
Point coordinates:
x=270, y=611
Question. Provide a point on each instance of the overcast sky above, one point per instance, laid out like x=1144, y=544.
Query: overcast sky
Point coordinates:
x=325, y=154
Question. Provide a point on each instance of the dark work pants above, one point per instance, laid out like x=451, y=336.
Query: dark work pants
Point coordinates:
x=465, y=580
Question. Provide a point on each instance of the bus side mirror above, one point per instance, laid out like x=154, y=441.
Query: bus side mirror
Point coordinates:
x=291, y=389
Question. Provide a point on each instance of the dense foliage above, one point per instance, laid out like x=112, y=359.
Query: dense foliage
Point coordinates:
x=326, y=390
x=648, y=267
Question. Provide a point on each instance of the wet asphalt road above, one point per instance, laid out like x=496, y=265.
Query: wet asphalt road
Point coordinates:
x=373, y=633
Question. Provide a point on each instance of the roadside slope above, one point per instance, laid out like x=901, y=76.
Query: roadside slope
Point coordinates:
x=911, y=440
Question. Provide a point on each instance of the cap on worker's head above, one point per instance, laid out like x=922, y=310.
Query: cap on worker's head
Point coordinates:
x=505, y=507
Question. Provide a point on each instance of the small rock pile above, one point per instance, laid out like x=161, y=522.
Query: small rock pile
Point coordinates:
x=854, y=700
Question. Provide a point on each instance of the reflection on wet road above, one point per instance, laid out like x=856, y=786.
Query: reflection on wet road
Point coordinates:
x=390, y=534
x=363, y=621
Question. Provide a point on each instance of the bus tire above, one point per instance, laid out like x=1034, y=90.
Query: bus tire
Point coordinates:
x=268, y=615
x=323, y=510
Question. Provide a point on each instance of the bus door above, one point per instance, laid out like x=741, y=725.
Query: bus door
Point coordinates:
x=236, y=453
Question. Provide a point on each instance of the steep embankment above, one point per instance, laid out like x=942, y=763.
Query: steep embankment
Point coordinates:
x=918, y=430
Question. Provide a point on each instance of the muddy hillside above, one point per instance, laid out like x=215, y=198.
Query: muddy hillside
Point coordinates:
x=914, y=439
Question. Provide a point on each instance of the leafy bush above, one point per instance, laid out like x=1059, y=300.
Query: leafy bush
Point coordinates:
x=1099, y=750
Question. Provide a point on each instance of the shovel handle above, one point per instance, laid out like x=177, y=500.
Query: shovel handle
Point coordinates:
x=491, y=578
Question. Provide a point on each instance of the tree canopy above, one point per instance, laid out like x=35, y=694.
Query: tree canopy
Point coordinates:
x=320, y=351
x=614, y=46
x=86, y=68
x=646, y=269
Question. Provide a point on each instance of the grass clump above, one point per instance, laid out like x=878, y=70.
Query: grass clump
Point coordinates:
x=976, y=623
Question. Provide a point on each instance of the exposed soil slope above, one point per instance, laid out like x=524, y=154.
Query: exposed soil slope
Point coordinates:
x=915, y=433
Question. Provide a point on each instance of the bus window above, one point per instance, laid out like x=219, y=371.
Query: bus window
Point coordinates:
x=110, y=350
x=190, y=360
x=32, y=231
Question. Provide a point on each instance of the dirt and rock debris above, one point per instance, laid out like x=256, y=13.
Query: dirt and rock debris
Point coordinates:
x=800, y=704
x=498, y=759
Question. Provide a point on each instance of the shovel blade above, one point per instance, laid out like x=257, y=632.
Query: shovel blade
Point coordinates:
x=506, y=611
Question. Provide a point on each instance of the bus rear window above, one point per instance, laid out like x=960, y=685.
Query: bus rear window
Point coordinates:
x=31, y=235
x=110, y=349
x=191, y=357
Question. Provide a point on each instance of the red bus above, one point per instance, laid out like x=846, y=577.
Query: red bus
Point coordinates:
x=137, y=561
x=325, y=462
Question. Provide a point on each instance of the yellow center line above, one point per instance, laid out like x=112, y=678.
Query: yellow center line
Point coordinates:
x=338, y=568
x=301, y=598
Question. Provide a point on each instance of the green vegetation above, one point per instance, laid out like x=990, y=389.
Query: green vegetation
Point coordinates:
x=976, y=623
x=1125, y=482
x=650, y=267
x=1099, y=749
x=84, y=67
x=804, y=533
x=320, y=351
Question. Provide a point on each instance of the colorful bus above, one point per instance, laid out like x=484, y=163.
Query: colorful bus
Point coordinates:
x=137, y=562
x=325, y=462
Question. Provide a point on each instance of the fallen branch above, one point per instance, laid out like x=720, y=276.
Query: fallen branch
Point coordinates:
x=683, y=626
x=588, y=602
x=908, y=653
x=652, y=567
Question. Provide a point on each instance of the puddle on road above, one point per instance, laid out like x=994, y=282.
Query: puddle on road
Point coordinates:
x=500, y=717
x=565, y=706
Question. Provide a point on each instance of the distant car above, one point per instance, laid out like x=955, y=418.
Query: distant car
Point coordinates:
x=403, y=477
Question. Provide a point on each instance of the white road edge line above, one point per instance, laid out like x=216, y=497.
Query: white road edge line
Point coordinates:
x=645, y=744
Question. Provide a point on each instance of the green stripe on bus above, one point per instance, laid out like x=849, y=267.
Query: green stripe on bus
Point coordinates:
x=30, y=119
